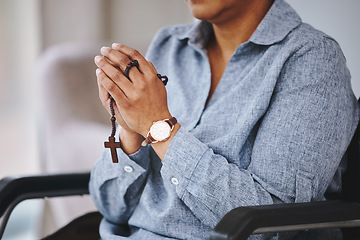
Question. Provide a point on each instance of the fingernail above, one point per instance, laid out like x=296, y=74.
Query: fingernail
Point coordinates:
x=104, y=50
x=98, y=71
x=114, y=45
x=97, y=59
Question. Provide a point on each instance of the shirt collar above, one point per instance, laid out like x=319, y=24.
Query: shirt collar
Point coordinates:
x=279, y=21
x=198, y=34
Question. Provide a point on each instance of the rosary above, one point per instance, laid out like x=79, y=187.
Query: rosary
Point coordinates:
x=112, y=144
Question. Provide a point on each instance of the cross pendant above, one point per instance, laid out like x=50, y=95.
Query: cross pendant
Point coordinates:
x=113, y=145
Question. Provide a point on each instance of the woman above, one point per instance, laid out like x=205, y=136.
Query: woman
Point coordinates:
x=263, y=110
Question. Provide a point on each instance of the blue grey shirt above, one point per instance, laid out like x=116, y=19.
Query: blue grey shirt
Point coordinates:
x=274, y=131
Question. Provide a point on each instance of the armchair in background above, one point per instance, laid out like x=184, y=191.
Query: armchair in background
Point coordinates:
x=72, y=122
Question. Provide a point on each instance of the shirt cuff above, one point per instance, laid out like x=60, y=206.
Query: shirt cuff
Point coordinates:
x=128, y=169
x=141, y=157
x=181, y=159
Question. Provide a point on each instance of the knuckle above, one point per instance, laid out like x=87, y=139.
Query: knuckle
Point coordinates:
x=117, y=75
x=126, y=105
x=134, y=53
x=142, y=86
x=124, y=61
x=111, y=87
x=135, y=98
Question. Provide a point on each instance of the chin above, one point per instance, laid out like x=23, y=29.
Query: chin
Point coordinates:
x=204, y=9
x=200, y=16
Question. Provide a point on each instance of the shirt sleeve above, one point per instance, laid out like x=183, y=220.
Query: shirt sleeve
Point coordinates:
x=110, y=183
x=299, y=144
x=117, y=188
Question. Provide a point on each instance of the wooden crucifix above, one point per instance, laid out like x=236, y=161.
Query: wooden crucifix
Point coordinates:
x=113, y=145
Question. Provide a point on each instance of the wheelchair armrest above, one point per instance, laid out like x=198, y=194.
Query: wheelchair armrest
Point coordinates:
x=16, y=189
x=241, y=222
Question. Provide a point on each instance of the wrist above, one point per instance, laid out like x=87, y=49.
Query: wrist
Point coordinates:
x=130, y=141
x=144, y=132
x=160, y=131
x=161, y=147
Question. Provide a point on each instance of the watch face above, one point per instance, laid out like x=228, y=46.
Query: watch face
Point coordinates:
x=160, y=131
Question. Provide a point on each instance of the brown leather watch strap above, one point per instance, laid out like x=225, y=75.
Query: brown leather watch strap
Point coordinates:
x=172, y=121
x=149, y=139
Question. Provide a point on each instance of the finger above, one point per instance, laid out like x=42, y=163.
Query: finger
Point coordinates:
x=112, y=63
x=133, y=54
x=122, y=61
x=106, y=87
x=105, y=100
x=115, y=58
x=152, y=65
x=114, y=75
x=103, y=94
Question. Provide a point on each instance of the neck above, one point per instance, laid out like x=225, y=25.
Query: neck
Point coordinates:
x=229, y=34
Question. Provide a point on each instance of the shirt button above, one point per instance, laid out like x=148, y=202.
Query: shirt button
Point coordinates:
x=128, y=169
x=174, y=181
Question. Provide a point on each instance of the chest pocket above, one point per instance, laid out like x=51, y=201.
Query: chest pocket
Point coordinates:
x=304, y=186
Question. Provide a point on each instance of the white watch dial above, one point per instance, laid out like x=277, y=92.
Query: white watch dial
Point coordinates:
x=160, y=131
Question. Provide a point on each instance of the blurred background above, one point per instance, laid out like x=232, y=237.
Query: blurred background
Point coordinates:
x=41, y=39
x=30, y=28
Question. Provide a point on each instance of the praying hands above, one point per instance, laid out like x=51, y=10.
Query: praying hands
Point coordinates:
x=139, y=95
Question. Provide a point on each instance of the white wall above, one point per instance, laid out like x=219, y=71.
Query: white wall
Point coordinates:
x=19, y=48
x=72, y=21
x=339, y=19
x=135, y=22
x=131, y=22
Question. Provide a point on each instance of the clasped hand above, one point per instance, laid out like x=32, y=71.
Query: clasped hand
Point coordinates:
x=139, y=100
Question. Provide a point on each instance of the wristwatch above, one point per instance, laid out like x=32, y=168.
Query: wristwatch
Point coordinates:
x=160, y=131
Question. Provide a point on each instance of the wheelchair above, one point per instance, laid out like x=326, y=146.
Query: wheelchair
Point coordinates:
x=342, y=211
